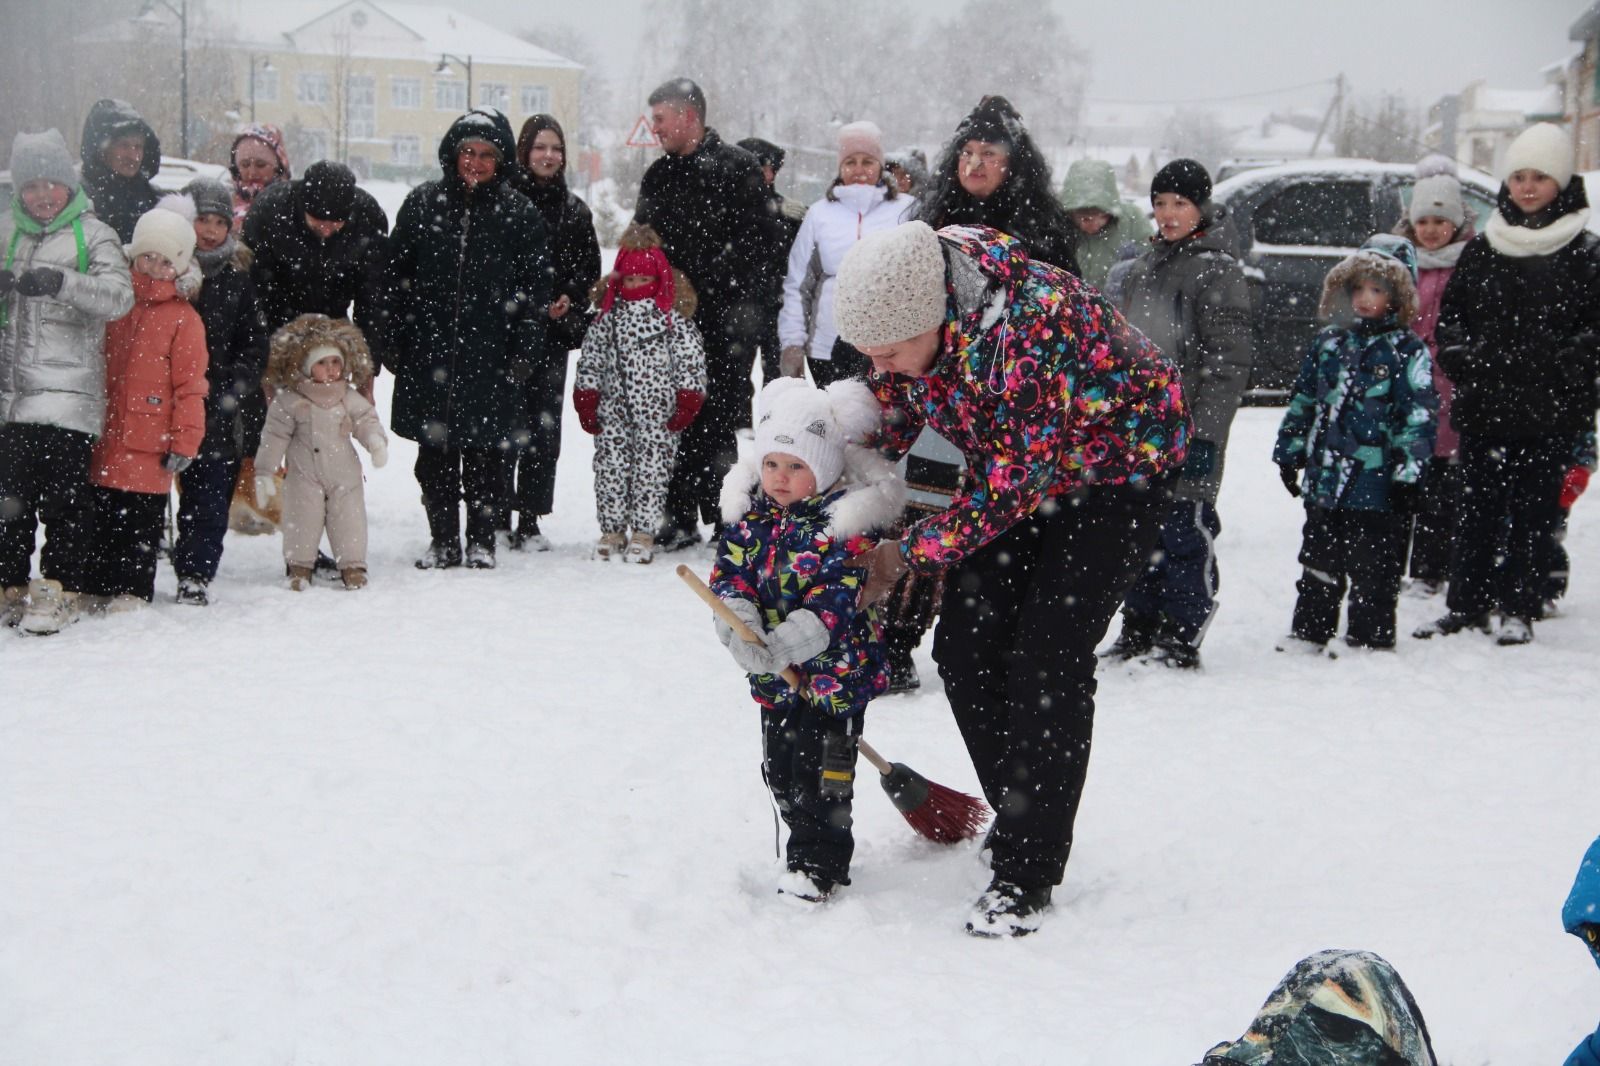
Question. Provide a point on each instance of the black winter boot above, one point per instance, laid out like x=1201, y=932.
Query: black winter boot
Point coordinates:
x=1452, y=623
x=1137, y=638
x=1008, y=910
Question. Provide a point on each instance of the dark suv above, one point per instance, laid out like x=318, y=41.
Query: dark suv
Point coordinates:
x=1293, y=222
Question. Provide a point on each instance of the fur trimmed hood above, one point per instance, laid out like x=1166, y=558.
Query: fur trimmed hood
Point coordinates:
x=292, y=343
x=1390, y=259
x=874, y=493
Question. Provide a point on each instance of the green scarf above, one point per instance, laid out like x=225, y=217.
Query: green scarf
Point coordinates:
x=71, y=215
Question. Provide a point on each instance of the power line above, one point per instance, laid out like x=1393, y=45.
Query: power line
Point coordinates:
x=1211, y=99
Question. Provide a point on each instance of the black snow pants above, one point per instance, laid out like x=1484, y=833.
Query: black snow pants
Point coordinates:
x=808, y=761
x=1362, y=551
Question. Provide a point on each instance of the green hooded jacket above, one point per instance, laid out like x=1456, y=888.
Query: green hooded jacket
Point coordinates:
x=1091, y=183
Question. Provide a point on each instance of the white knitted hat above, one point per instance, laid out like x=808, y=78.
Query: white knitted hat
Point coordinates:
x=1438, y=197
x=166, y=229
x=1543, y=147
x=814, y=424
x=890, y=286
x=318, y=353
x=860, y=137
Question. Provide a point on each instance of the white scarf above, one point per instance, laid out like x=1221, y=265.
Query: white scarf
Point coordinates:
x=1523, y=242
x=1441, y=259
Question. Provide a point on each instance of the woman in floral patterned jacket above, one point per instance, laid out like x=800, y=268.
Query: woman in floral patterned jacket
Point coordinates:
x=1072, y=424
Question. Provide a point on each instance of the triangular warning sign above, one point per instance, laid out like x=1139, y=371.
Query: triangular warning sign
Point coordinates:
x=642, y=136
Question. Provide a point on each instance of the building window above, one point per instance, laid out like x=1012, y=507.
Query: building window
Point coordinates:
x=311, y=87
x=407, y=150
x=495, y=94
x=535, y=99
x=405, y=94
x=449, y=94
x=265, y=88
x=313, y=145
x=361, y=106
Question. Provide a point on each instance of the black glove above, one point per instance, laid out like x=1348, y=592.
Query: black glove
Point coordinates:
x=1405, y=497
x=40, y=281
x=1202, y=459
x=176, y=463
x=1290, y=474
x=8, y=281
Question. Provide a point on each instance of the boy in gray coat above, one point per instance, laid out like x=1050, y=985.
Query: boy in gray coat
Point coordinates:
x=62, y=278
x=1189, y=296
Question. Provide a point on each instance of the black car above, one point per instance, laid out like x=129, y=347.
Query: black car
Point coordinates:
x=1293, y=222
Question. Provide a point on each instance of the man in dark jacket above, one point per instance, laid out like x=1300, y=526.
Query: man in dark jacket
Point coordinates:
x=120, y=153
x=789, y=213
x=319, y=245
x=468, y=292
x=707, y=201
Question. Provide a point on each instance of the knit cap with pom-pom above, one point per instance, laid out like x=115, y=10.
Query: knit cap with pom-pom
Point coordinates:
x=815, y=425
x=890, y=286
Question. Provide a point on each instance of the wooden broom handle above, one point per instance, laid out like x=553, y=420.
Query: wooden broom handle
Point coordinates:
x=750, y=636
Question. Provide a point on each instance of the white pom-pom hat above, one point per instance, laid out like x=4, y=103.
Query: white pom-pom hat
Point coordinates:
x=815, y=425
x=166, y=229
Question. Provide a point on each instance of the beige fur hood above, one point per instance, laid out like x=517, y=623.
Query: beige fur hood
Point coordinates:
x=294, y=341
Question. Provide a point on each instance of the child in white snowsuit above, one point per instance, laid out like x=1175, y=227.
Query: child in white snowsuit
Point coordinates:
x=796, y=513
x=640, y=383
x=317, y=367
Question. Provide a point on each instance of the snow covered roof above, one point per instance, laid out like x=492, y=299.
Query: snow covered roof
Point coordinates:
x=379, y=28
x=1546, y=101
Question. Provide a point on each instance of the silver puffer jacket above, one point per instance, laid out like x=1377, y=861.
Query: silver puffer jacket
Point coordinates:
x=52, y=349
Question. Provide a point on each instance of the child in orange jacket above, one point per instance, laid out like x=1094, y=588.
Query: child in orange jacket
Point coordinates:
x=155, y=407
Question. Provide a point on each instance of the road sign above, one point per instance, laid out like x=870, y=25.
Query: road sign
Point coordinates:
x=642, y=136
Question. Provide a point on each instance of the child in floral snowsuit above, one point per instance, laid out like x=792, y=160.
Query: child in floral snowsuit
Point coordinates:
x=792, y=526
x=1360, y=427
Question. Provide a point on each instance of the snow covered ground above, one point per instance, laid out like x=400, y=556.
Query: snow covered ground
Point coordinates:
x=515, y=817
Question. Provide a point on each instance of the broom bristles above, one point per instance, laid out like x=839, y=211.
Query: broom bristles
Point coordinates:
x=948, y=816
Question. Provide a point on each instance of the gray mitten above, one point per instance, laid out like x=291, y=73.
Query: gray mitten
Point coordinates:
x=797, y=639
x=748, y=613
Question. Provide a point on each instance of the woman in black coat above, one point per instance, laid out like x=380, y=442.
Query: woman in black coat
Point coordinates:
x=992, y=174
x=466, y=291
x=574, y=267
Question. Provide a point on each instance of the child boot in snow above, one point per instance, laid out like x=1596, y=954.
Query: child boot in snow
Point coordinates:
x=641, y=549
x=1137, y=638
x=354, y=577
x=480, y=557
x=50, y=608
x=14, y=604
x=299, y=578
x=1514, y=630
x=609, y=546
x=803, y=887
x=192, y=591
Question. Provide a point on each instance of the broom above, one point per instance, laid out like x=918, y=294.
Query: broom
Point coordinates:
x=935, y=811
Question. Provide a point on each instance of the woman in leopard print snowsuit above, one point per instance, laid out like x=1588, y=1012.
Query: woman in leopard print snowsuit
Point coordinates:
x=641, y=380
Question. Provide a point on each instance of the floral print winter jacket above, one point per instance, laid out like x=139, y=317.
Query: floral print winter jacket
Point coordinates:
x=1042, y=385
x=1363, y=415
x=784, y=560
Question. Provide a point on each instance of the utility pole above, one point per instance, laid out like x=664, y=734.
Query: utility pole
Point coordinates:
x=147, y=17
x=1336, y=104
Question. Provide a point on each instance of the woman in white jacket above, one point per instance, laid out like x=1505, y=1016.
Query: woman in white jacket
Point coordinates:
x=860, y=201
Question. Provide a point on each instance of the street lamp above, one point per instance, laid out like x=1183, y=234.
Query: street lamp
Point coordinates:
x=147, y=17
x=445, y=59
x=265, y=68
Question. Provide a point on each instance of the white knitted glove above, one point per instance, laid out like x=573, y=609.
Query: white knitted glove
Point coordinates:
x=748, y=613
x=797, y=639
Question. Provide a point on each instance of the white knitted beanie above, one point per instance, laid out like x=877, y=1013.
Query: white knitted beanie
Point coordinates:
x=862, y=137
x=1438, y=197
x=320, y=352
x=815, y=425
x=890, y=286
x=166, y=229
x=1543, y=147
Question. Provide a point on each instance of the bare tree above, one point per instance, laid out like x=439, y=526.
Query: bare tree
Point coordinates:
x=1199, y=135
x=1387, y=129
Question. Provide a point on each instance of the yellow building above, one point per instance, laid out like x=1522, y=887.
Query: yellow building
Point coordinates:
x=376, y=84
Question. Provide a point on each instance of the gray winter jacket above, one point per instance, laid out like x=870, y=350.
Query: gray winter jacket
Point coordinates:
x=52, y=349
x=1191, y=299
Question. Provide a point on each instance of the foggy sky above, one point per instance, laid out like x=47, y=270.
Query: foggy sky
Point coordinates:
x=1182, y=51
